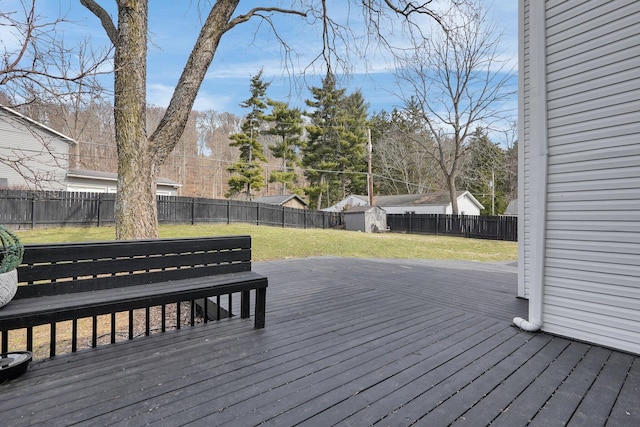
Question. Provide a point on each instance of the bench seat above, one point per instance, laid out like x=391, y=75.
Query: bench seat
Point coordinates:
x=26, y=312
x=71, y=281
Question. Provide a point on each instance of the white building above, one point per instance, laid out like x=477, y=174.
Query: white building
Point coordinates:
x=370, y=219
x=432, y=203
x=579, y=162
x=36, y=157
x=33, y=155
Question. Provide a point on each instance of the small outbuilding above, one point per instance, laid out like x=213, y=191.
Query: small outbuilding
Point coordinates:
x=370, y=219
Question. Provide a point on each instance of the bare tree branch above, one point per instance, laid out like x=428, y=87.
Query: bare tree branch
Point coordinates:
x=41, y=66
x=104, y=17
x=258, y=12
x=456, y=83
x=140, y=156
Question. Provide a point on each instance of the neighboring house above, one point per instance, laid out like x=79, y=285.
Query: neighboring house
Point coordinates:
x=370, y=219
x=35, y=156
x=579, y=170
x=434, y=203
x=106, y=182
x=32, y=155
x=288, y=200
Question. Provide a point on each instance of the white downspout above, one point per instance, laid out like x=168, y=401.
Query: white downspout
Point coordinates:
x=534, y=201
x=525, y=325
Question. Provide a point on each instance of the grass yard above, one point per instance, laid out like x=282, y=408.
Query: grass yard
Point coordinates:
x=272, y=243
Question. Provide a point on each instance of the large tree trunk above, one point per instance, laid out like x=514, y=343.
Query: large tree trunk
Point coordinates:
x=139, y=156
x=136, y=212
x=451, y=183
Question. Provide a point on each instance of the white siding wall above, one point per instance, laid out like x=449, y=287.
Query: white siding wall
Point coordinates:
x=44, y=156
x=424, y=209
x=591, y=262
x=465, y=207
x=524, y=151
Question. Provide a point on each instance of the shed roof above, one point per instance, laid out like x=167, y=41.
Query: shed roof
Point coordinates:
x=359, y=209
x=279, y=200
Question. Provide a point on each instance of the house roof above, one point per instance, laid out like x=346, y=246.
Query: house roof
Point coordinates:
x=279, y=200
x=441, y=199
x=359, y=209
x=111, y=176
x=512, y=208
x=38, y=124
x=413, y=199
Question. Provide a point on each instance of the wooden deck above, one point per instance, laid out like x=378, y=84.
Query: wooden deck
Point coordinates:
x=347, y=342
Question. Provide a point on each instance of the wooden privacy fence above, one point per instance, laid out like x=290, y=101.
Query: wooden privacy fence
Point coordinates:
x=31, y=209
x=479, y=227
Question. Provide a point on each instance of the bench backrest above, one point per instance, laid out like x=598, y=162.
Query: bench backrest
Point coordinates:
x=52, y=269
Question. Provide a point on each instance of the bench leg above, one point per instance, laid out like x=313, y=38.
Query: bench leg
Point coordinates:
x=261, y=307
x=244, y=304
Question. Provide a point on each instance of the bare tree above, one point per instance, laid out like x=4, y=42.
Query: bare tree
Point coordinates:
x=46, y=80
x=401, y=163
x=456, y=82
x=139, y=154
x=37, y=65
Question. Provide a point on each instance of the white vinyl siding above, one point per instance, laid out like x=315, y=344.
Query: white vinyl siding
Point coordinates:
x=524, y=153
x=41, y=157
x=591, y=283
x=466, y=206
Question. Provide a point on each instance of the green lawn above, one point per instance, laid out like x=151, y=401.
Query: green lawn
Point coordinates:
x=271, y=243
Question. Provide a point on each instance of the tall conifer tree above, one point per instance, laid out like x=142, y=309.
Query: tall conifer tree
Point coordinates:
x=247, y=171
x=287, y=127
x=335, y=154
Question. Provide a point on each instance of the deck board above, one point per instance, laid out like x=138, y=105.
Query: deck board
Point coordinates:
x=347, y=342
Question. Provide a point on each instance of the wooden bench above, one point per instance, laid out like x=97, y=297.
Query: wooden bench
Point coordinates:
x=71, y=281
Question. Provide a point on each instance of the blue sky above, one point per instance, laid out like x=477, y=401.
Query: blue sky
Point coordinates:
x=243, y=51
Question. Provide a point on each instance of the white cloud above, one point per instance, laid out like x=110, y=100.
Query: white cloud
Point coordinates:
x=159, y=94
x=209, y=101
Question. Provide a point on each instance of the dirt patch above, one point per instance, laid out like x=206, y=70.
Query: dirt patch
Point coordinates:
x=42, y=334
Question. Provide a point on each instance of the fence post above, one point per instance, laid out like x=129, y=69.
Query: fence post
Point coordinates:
x=228, y=212
x=257, y=213
x=99, y=208
x=33, y=212
x=193, y=210
x=284, y=223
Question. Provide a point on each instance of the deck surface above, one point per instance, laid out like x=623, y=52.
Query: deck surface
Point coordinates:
x=347, y=342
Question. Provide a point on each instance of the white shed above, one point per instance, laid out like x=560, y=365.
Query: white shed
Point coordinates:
x=579, y=166
x=370, y=219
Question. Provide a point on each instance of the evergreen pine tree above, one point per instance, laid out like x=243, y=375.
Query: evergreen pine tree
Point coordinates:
x=335, y=154
x=484, y=168
x=352, y=148
x=247, y=171
x=287, y=127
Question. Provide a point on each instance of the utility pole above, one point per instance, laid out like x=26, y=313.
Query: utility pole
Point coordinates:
x=370, y=174
x=493, y=192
